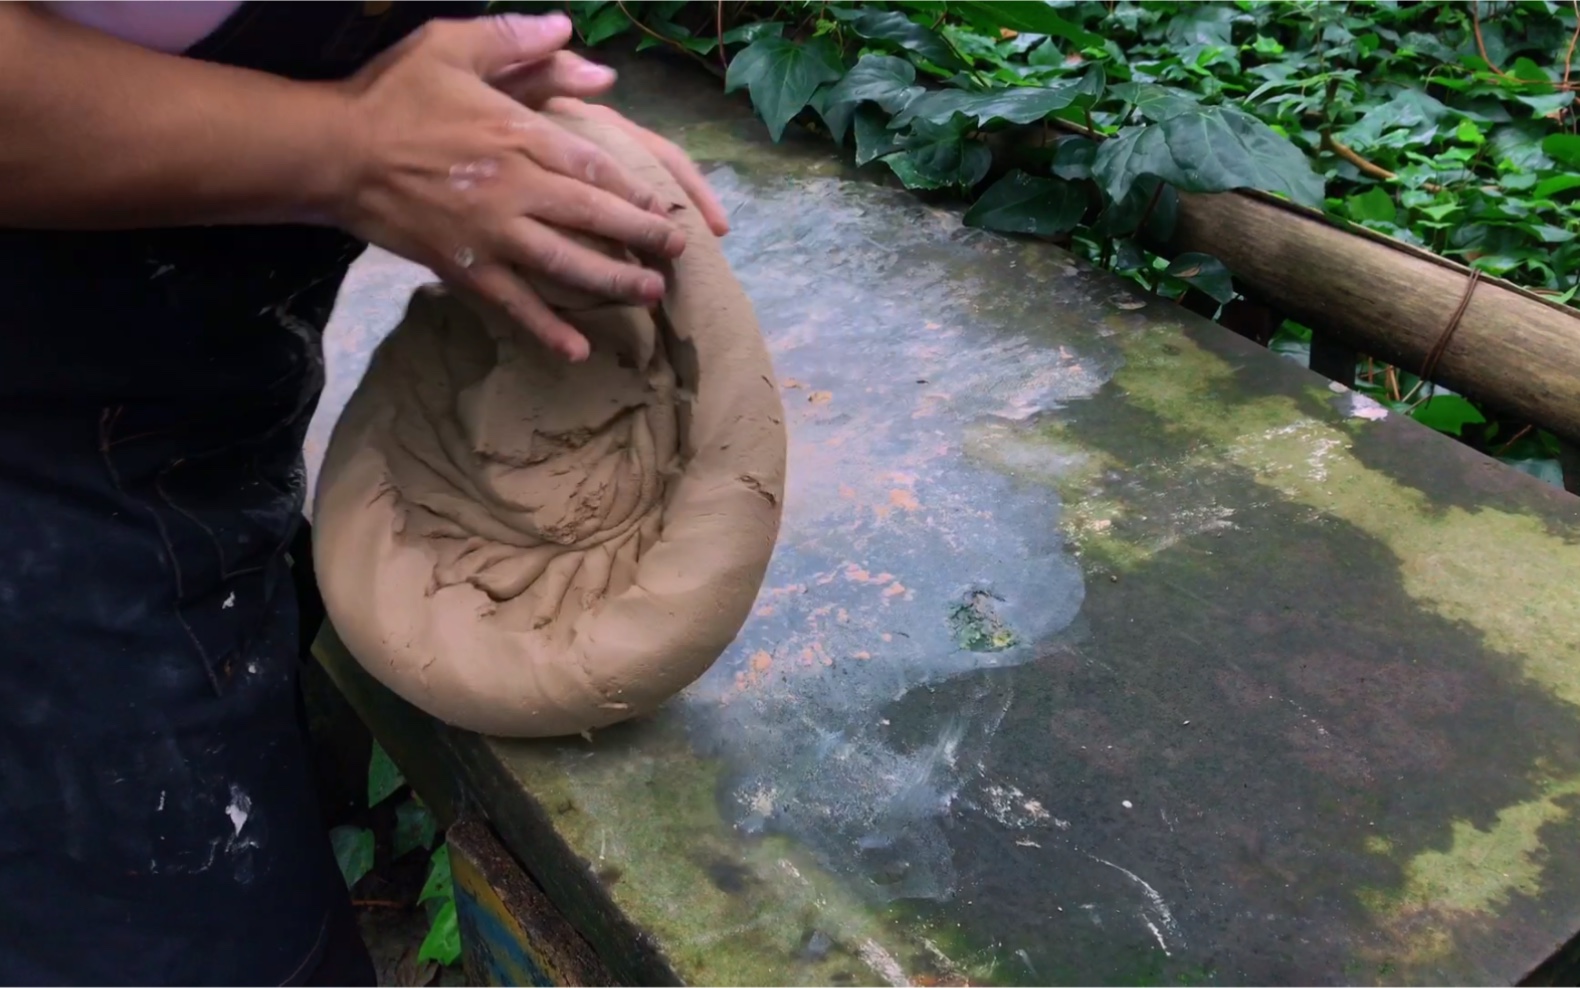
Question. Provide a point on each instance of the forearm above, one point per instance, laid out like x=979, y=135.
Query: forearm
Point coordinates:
x=98, y=133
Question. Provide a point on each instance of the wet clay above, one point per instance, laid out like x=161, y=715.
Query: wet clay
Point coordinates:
x=527, y=547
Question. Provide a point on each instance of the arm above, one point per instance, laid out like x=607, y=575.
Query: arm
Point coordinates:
x=418, y=153
x=98, y=133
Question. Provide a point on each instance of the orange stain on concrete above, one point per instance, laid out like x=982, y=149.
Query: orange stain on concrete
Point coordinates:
x=820, y=397
x=904, y=500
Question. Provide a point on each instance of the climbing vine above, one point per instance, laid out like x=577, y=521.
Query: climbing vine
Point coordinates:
x=1445, y=124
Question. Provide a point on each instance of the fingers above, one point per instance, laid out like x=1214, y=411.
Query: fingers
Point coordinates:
x=690, y=179
x=561, y=74
x=549, y=254
x=558, y=150
x=490, y=45
x=576, y=206
x=503, y=288
x=686, y=173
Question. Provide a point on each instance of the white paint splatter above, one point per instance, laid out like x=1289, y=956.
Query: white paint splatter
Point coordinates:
x=1154, y=904
x=239, y=808
x=883, y=963
x=229, y=602
x=1127, y=804
x=161, y=807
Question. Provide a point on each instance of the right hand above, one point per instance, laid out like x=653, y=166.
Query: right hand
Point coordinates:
x=455, y=175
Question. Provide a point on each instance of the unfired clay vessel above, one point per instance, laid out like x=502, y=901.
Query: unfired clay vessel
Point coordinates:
x=527, y=547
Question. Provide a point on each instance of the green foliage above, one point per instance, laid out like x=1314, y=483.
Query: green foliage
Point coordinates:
x=1448, y=125
x=1022, y=203
x=384, y=779
x=443, y=942
x=353, y=852
x=414, y=827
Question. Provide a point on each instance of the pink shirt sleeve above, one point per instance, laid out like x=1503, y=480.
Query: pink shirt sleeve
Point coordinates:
x=165, y=25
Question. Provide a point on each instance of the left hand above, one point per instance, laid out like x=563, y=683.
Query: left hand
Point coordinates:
x=559, y=84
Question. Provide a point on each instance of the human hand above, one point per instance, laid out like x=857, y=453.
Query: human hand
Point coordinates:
x=451, y=172
x=561, y=82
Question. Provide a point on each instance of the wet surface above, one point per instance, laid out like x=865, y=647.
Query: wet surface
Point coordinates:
x=1099, y=647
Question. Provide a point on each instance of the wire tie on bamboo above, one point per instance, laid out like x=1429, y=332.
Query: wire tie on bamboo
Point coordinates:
x=1429, y=365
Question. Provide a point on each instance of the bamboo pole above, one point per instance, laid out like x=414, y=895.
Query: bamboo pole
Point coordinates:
x=1512, y=349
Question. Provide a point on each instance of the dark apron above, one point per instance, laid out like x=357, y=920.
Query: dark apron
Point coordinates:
x=157, y=817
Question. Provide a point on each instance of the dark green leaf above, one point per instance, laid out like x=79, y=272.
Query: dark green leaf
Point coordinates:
x=1022, y=105
x=938, y=156
x=1037, y=18
x=1542, y=104
x=1205, y=24
x=1211, y=149
x=443, y=942
x=782, y=76
x=1447, y=413
x=414, y=827
x=882, y=79
x=605, y=24
x=1019, y=203
x=1151, y=203
x=874, y=139
x=1373, y=204
x=836, y=116
x=1410, y=117
x=1204, y=273
x=1153, y=101
x=384, y=778
x=439, y=884
x=353, y=852
x=1564, y=148
x=897, y=29
x=1547, y=188
x=745, y=34
x=1073, y=157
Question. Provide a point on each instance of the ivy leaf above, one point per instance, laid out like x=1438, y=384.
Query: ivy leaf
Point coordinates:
x=1374, y=204
x=1026, y=18
x=439, y=884
x=1447, y=413
x=882, y=79
x=1022, y=105
x=384, y=778
x=745, y=34
x=1204, y=273
x=1410, y=117
x=1210, y=149
x=874, y=139
x=1563, y=148
x=1073, y=157
x=1549, y=187
x=1151, y=202
x=1153, y=101
x=897, y=29
x=605, y=24
x=1019, y=203
x=836, y=116
x=353, y=852
x=414, y=827
x=936, y=156
x=782, y=76
x=442, y=945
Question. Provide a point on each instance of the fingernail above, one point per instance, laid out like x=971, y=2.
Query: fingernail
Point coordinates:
x=674, y=244
x=653, y=287
x=589, y=74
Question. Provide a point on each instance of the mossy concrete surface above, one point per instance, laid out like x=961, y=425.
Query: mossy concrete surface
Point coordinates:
x=1262, y=684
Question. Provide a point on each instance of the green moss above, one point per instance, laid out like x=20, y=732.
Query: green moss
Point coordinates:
x=1481, y=868
x=1504, y=574
x=726, y=911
